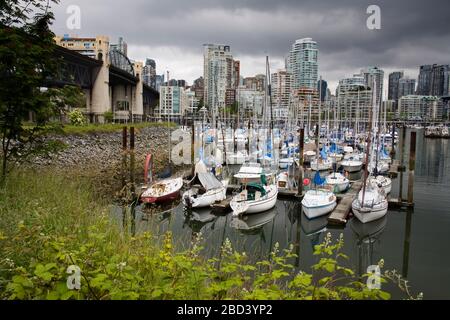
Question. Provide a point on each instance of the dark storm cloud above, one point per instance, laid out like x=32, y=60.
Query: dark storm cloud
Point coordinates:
x=413, y=32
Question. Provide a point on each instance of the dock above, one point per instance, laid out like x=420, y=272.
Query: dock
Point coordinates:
x=222, y=206
x=340, y=214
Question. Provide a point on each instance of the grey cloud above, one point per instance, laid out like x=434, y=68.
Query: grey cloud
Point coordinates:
x=413, y=32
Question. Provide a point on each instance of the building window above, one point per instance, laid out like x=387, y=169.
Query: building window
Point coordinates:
x=122, y=106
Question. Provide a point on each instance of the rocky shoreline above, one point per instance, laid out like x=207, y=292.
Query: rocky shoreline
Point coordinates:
x=100, y=156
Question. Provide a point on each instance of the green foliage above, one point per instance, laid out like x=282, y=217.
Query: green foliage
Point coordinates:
x=42, y=235
x=77, y=118
x=109, y=116
x=66, y=98
x=26, y=62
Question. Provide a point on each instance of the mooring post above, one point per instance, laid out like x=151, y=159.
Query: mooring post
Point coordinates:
x=406, y=244
x=412, y=166
x=401, y=166
x=193, y=148
x=301, y=143
x=132, y=157
x=124, y=138
x=393, y=141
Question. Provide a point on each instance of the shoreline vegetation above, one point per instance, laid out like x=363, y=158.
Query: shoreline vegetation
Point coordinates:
x=49, y=222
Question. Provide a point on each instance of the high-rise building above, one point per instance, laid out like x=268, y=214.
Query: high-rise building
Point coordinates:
x=159, y=81
x=255, y=83
x=281, y=92
x=236, y=74
x=181, y=83
x=121, y=47
x=406, y=87
x=199, y=88
x=354, y=98
x=375, y=76
x=322, y=88
x=440, y=80
x=302, y=63
x=394, y=79
x=434, y=80
x=415, y=107
x=424, y=82
x=218, y=72
x=172, y=102
x=251, y=101
x=149, y=73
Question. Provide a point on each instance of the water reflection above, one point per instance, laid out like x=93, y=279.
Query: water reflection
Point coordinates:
x=254, y=223
x=367, y=236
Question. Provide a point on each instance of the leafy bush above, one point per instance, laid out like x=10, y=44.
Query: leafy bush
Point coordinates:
x=77, y=118
x=108, y=116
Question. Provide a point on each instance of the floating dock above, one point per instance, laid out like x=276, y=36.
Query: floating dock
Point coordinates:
x=340, y=214
x=222, y=206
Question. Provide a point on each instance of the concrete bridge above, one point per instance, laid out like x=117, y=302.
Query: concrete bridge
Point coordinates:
x=111, y=83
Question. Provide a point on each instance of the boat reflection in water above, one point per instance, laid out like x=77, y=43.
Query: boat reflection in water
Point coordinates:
x=314, y=228
x=253, y=223
x=367, y=234
x=198, y=218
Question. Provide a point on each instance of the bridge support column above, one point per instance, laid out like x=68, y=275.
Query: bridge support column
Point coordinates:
x=100, y=98
x=138, y=106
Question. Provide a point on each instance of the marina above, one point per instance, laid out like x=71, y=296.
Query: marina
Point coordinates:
x=398, y=237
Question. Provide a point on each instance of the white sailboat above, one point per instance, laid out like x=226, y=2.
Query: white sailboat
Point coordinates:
x=338, y=182
x=318, y=202
x=371, y=203
x=205, y=189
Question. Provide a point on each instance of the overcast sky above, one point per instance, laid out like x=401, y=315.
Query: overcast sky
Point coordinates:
x=413, y=32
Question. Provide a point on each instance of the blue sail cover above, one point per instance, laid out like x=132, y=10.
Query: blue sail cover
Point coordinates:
x=383, y=153
x=333, y=148
x=323, y=154
x=318, y=181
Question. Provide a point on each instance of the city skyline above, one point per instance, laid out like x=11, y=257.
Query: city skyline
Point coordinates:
x=173, y=32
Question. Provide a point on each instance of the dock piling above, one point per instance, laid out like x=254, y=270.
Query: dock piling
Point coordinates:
x=412, y=165
x=300, y=161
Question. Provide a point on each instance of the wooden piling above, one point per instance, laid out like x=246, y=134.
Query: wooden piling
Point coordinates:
x=124, y=138
x=393, y=141
x=402, y=161
x=193, y=148
x=132, y=138
x=412, y=166
x=301, y=146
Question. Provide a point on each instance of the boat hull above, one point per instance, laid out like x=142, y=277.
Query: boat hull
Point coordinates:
x=162, y=199
x=204, y=200
x=251, y=207
x=315, y=212
x=366, y=215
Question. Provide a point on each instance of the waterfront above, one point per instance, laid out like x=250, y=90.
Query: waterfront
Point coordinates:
x=412, y=243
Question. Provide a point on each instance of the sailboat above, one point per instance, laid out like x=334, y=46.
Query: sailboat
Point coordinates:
x=338, y=182
x=258, y=196
x=318, y=202
x=353, y=164
x=371, y=203
x=205, y=189
x=161, y=191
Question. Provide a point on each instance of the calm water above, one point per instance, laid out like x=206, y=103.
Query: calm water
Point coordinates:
x=415, y=243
